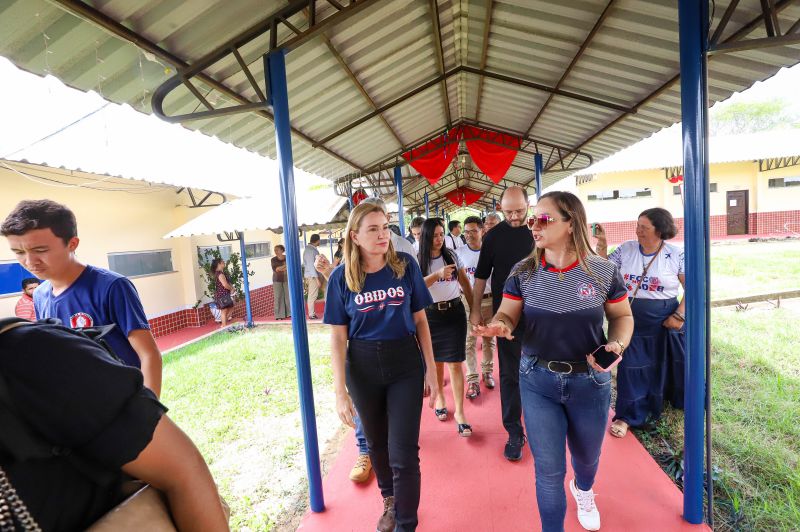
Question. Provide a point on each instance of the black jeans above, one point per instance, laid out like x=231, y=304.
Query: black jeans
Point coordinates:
x=508, y=354
x=385, y=381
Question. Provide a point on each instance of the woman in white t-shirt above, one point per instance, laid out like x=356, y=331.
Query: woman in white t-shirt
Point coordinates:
x=446, y=279
x=653, y=271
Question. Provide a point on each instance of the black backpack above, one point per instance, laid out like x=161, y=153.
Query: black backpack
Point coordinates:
x=21, y=442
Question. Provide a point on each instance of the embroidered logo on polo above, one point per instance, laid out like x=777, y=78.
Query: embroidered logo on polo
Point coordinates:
x=379, y=299
x=586, y=291
x=80, y=320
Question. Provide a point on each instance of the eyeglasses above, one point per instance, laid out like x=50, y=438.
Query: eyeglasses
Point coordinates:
x=542, y=220
x=518, y=213
x=471, y=231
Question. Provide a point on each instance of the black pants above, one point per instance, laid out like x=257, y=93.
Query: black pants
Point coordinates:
x=508, y=354
x=385, y=381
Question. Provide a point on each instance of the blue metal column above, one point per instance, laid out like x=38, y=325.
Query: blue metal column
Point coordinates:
x=436, y=210
x=247, y=304
x=494, y=204
x=275, y=68
x=693, y=31
x=398, y=182
x=538, y=165
x=427, y=207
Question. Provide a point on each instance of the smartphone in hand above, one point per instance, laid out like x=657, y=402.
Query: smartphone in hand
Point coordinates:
x=604, y=359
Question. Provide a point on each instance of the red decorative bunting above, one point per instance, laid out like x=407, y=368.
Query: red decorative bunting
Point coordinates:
x=464, y=196
x=432, y=158
x=675, y=179
x=492, y=152
x=359, y=196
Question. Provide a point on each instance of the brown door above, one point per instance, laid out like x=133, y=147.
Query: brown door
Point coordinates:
x=738, y=211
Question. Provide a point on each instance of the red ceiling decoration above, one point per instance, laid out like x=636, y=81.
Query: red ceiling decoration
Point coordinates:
x=492, y=152
x=463, y=196
x=359, y=196
x=675, y=179
x=432, y=158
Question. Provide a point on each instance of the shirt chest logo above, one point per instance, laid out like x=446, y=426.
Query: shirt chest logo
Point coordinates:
x=586, y=291
x=80, y=320
x=379, y=299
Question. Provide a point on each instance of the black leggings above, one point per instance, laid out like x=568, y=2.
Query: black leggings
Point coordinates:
x=385, y=381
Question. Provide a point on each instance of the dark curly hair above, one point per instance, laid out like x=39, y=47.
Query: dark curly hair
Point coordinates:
x=662, y=221
x=41, y=214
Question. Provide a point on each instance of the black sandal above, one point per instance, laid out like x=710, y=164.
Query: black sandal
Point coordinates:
x=464, y=430
x=441, y=413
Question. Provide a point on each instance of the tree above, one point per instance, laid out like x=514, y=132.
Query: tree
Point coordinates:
x=752, y=117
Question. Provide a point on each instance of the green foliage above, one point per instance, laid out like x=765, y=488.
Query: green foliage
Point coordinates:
x=752, y=117
x=233, y=267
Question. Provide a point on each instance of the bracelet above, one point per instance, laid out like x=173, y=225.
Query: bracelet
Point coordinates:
x=504, y=323
x=621, y=345
x=679, y=316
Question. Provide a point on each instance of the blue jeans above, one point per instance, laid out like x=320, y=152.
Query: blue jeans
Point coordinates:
x=559, y=408
x=361, y=440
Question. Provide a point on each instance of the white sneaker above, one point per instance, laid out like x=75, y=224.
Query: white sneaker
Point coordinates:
x=588, y=516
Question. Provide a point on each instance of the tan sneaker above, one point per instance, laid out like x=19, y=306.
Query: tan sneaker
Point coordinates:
x=386, y=522
x=362, y=468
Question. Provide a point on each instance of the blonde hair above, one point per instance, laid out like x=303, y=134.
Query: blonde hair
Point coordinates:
x=354, y=273
x=572, y=210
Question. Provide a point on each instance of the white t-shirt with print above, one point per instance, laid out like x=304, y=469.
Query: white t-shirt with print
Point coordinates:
x=661, y=281
x=469, y=257
x=453, y=242
x=445, y=289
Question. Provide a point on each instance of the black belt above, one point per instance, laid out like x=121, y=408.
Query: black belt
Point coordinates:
x=557, y=366
x=446, y=305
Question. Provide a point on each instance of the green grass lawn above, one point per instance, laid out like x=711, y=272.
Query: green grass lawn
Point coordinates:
x=236, y=396
x=754, y=268
x=756, y=419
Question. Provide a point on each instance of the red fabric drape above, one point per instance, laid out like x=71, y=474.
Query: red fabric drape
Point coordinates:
x=492, y=152
x=464, y=196
x=358, y=197
x=432, y=158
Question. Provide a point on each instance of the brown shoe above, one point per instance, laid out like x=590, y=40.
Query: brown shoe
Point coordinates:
x=361, y=469
x=488, y=380
x=473, y=390
x=386, y=522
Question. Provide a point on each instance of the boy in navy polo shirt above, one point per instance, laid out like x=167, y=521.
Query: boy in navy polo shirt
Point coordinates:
x=43, y=235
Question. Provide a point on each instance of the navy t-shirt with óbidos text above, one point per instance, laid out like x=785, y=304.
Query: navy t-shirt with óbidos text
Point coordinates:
x=384, y=308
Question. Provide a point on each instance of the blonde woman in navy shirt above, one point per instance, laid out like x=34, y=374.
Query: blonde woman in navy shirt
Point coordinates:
x=564, y=290
x=382, y=356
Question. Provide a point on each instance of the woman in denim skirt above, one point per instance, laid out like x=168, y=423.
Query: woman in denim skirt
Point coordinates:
x=564, y=290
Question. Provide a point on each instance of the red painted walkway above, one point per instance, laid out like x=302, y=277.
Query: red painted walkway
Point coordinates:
x=467, y=485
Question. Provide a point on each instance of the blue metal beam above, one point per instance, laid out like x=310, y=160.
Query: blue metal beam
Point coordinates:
x=693, y=31
x=538, y=165
x=247, y=303
x=427, y=206
x=398, y=181
x=278, y=98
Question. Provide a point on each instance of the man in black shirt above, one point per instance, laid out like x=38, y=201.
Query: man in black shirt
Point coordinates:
x=504, y=246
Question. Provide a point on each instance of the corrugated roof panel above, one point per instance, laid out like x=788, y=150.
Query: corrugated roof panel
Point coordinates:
x=390, y=48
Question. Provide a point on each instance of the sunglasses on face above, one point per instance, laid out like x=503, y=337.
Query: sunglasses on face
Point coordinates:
x=542, y=220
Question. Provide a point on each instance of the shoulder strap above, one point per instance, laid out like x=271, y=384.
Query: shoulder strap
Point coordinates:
x=644, y=272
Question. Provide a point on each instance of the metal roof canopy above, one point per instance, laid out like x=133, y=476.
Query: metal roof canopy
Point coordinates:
x=374, y=78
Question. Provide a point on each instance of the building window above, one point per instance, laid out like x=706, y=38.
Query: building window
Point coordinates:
x=258, y=250
x=141, y=262
x=676, y=190
x=712, y=187
x=781, y=182
x=11, y=276
x=225, y=251
x=625, y=193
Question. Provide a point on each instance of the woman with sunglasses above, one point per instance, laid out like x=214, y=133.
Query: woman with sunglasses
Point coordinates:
x=375, y=305
x=564, y=290
x=653, y=270
x=446, y=279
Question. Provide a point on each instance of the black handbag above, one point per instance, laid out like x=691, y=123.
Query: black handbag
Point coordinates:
x=225, y=301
